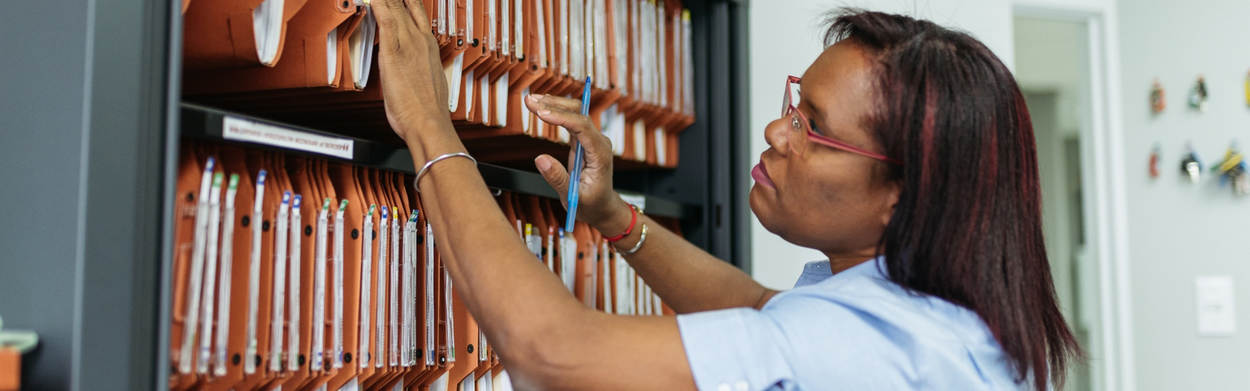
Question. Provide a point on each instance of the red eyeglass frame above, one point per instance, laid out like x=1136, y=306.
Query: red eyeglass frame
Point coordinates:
x=788, y=108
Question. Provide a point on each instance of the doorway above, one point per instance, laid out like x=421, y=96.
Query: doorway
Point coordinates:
x=1053, y=69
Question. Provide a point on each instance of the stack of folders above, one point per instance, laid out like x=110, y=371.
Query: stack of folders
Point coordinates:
x=311, y=62
x=297, y=273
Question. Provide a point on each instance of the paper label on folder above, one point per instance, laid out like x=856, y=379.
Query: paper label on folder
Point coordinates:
x=239, y=129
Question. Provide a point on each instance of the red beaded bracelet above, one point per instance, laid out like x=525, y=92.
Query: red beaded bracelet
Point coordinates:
x=632, y=220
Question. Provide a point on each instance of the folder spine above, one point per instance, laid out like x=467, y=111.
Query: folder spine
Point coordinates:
x=223, y=289
x=279, y=285
x=293, y=307
x=340, y=229
x=253, y=284
x=364, y=354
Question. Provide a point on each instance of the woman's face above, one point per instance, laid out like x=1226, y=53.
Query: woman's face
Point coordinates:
x=816, y=196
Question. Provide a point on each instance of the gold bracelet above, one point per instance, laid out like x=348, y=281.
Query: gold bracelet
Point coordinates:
x=641, y=239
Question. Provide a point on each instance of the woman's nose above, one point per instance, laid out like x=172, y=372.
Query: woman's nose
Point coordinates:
x=777, y=134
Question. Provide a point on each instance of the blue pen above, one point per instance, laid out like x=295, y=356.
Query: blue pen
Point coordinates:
x=575, y=177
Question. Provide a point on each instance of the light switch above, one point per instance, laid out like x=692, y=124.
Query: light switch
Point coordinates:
x=1216, y=313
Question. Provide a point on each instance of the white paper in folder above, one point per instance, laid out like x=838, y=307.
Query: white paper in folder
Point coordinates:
x=518, y=27
x=620, y=31
x=602, y=76
x=454, y=72
x=688, y=61
x=360, y=45
x=661, y=55
x=614, y=127
x=541, y=18
x=505, y=29
x=267, y=20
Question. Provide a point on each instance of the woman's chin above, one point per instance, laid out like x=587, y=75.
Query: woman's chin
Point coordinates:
x=759, y=191
x=764, y=209
x=758, y=203
x=753, y=199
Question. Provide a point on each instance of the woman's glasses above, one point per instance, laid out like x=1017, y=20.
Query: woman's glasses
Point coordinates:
x=790, y=110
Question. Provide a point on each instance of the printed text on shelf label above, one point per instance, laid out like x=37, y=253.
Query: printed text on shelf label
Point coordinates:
x=239, y=129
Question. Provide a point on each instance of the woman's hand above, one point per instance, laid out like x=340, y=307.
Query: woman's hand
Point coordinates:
x=414, y=88
x=598, y=203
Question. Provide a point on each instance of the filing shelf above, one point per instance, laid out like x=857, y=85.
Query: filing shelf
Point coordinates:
x=202, y=122
x=114, y=118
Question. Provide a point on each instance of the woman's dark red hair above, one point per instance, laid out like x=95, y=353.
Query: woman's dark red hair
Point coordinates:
x=968, y=226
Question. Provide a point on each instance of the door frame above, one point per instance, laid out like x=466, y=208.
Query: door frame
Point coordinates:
x=1104, y=197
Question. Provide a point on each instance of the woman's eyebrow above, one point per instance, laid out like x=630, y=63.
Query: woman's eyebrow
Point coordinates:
x=818, y=115
x=805, y=101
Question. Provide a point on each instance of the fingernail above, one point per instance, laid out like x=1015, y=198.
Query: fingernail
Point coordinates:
x=536, y=96
x=544, y=112
x=542, y=164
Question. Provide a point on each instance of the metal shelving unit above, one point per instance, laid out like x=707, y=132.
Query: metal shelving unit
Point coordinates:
x=93, y=126
x=206, y=123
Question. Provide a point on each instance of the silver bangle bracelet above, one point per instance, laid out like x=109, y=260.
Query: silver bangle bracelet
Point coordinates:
x=641, y=239
x=416, y=183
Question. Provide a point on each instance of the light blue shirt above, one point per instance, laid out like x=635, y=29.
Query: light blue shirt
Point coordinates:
x=853, y=331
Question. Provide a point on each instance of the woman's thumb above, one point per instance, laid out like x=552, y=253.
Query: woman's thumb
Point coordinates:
x=554, y=173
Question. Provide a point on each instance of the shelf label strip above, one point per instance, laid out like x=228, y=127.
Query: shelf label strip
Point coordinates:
x=239, y=129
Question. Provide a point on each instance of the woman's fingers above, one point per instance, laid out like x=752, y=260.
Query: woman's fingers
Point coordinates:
x=564, y=112
x=416, y=10
x=555, y=174
x=421, y=21
x=560, y=111
x=424, y=33
x=404, y=27
x=393, y=19
x=580, y=127
x=559, y=102
x=550, y=102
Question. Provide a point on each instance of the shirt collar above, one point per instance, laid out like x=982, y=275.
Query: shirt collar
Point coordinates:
x=871, y=268
x=817, y=271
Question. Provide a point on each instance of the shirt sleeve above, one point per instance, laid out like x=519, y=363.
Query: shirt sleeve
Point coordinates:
x=738, y=349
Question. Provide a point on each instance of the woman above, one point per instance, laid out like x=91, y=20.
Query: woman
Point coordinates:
x=907, y=158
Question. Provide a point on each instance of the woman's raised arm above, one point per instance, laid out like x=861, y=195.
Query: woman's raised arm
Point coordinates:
x=687, y=278
x=548, y=339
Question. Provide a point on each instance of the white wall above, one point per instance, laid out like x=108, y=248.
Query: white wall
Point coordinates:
x=785, y=37
x=1173, y=231
x=1179, y=231
x=1045, y=62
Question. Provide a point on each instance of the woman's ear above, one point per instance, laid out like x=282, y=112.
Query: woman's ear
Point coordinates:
x=892, y=191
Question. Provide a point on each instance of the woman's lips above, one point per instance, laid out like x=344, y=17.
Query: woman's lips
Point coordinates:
x=760, y=175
